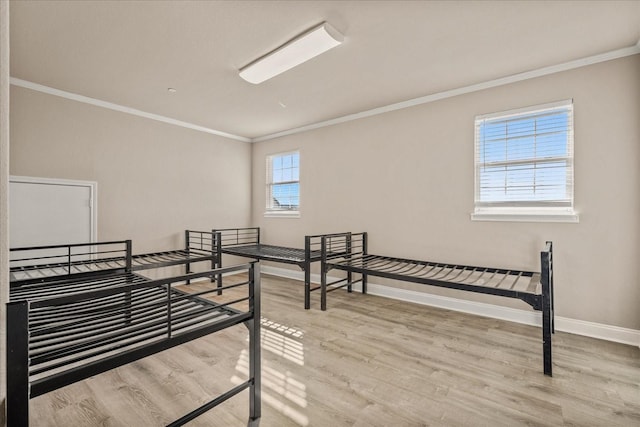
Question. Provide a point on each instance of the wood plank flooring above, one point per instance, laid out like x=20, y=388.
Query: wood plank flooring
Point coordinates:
x=367, y=361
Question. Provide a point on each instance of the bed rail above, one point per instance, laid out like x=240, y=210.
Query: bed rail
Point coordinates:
x=42, y=263
x=59, y=339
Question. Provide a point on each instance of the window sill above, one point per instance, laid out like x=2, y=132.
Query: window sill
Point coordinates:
x=282, y=214
x=526, y=216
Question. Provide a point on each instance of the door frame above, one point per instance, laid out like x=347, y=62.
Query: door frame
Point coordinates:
x=93, y=190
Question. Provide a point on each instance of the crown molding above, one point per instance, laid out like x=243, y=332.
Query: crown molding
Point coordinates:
x=566, y=66
x=578, y=63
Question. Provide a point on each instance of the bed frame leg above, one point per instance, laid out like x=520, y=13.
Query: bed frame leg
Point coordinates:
x=547, y=310
x=307, y=272
x=323, y=275
x=323, y=289
x=307, y=285
x=18, y=364
x=255, y=372
x=349, y=274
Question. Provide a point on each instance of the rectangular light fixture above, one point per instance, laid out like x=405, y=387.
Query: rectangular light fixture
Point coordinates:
x=294, y=52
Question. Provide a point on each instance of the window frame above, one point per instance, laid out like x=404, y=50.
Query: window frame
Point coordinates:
x=526, y=210
x=270, y=210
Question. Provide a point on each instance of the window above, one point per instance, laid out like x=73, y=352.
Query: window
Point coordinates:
x=524, y=164
x=283, y=184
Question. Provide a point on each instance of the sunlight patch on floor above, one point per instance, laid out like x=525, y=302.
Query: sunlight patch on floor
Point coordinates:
x=283, y=341
x=280, y=389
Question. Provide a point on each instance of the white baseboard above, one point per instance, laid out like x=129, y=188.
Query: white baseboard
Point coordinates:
x=527, y=317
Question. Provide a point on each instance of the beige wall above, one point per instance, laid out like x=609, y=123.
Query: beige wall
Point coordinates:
x=154, y=179
x=406, y=177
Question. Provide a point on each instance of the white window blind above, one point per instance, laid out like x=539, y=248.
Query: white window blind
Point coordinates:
x=283, y=182
x=524, y=158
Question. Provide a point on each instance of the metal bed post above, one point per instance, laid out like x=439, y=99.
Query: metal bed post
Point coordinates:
x=129, y=256
x=349, y=253
x=547, y=304
x=323, y=274
x=187, y=265
x=255, y=371
x=365, y=241
x=69, y=260
x=218, y=235
x=214, y=258
x=18, y=364
x=307, y=272
x=127, y=293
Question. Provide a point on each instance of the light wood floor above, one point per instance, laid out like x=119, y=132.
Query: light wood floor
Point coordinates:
x=367, y=361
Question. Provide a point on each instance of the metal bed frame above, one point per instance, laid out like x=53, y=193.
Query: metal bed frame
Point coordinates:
x=348, y=252
x=41, y=263
x=245, y=242
x=66, y=329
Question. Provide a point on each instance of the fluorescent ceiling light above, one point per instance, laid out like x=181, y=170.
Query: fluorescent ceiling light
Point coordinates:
x=294, y=52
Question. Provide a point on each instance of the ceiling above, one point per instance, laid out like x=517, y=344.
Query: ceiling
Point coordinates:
x=130, y=52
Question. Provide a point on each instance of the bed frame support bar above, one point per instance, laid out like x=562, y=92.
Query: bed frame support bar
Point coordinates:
x=209, y=405
x=18, y=364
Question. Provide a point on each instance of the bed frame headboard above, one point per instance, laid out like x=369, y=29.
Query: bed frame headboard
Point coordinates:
x=238, y=236
x=340, y=244
x=201, y=240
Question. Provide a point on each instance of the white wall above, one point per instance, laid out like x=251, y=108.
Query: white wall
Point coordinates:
x=407, y=178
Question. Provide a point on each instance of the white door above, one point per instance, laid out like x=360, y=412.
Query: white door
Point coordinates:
x=50, y=212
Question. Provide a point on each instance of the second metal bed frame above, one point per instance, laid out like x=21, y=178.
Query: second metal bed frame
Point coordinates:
x=349, y=252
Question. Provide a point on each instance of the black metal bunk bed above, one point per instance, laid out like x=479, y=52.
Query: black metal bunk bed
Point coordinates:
x=348, y=252
x=245, y=242
x=32, y=264
x=63, y=329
